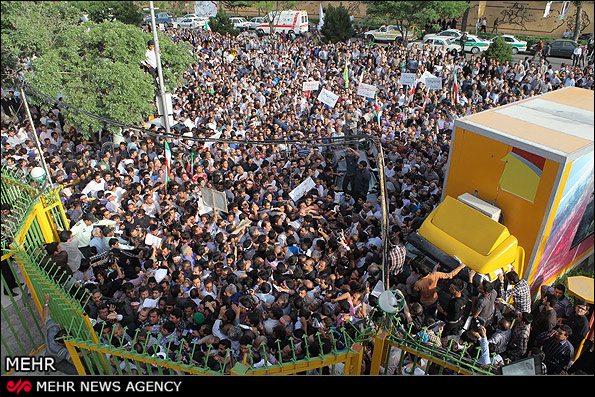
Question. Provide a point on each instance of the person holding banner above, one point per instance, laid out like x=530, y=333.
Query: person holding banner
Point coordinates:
x=351, y=158
x=352, y=117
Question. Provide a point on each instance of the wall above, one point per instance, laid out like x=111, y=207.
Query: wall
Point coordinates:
x=526, y=18
x=516, y=17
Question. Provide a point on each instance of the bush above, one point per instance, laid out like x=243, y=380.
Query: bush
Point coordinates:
x=500, y=51
x=337, y=25
x=222, y=24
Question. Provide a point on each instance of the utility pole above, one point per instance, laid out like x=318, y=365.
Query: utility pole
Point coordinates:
x=162, y=96
x=48, y=178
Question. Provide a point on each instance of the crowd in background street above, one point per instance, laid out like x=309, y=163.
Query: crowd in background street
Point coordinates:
x=274, y=270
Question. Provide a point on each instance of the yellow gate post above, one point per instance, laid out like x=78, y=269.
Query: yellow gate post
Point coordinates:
x=380, y=348
x=76, y=360
x=353, y=366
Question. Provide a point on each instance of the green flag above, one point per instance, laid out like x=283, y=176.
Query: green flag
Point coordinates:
x=346, y=76
x=167, y=160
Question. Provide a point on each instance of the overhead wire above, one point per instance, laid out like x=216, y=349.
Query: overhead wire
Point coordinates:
x=314, y=142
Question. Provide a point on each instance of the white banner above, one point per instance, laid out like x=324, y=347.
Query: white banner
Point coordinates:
x=434, y=83
x=310, y=85
x=205, y=8
x=407, y=78
x=367, y=90
x=302, y=188
x=328, y=98
x=214, y=199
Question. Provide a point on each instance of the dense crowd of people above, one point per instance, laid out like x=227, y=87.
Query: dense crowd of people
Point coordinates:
x=260, y=281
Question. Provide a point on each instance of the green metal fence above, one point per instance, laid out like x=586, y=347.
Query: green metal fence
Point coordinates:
x=143, y=355
x=37, y=215
x=411, y=348
x=34, y=220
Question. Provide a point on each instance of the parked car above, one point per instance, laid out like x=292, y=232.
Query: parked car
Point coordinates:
x=256, y=21
x=516, y=44
x=475, y=45
x=192, y=22
x=448, y=43
x=586, y=36
x=560, y=48
x=163, y=17
x=387, y=33
x=240, y=23
x=452, y=33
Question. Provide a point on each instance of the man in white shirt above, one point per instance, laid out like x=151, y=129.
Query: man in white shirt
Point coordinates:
x=83, y=229
x=94, y=186
x=576, y=55
x=150, y=62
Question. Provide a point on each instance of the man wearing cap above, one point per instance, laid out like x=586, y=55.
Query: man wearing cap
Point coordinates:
x=83, y=230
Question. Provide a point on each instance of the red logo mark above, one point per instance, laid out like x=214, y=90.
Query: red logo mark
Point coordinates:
x=20, y=385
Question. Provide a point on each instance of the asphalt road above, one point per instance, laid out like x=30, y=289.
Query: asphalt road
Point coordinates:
x=555, y=62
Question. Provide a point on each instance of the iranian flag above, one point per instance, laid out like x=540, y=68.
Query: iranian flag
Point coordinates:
x=167, y=160
x=455, y=89
x=377, y=108
x=411, y=93
x=361, y=76
x=426, y=100
x=207, y=27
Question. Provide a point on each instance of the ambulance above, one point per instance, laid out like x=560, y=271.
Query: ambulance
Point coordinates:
x=290, y=22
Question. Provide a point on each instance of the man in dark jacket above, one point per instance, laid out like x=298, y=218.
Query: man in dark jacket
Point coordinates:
x=351, y=168
x=361, y=182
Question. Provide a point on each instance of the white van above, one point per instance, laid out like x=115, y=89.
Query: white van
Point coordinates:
x=291, y=22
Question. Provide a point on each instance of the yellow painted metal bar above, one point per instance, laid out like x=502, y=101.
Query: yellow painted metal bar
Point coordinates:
x=148, y=360
x=19, y=238
x=380, y=348
x=354, y=365
x=32, y=291
x=432, y=359
x=76, y=360
x=5, y=257
x=49, y=233
x=303, y=365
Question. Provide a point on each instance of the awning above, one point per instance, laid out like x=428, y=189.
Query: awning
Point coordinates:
x=581, y=287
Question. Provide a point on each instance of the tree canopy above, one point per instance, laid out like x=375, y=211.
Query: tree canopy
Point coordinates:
x=407, y=14
x=93, y=66
x=337, y=25
x=99, y=11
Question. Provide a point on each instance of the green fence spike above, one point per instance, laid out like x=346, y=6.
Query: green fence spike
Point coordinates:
x=306, y=346
x=293, y=357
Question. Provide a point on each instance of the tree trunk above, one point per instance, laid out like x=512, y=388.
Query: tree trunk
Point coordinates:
x=577, y=22
x=464, y=20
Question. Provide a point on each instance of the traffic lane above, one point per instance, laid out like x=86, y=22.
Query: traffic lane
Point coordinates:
x=554, y=61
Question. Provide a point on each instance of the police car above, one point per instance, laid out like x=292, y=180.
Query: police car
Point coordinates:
x=516, y=44
x=387, y=33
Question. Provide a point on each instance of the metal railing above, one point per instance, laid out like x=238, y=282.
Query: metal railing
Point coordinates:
x=37, y=216
x=412, y=348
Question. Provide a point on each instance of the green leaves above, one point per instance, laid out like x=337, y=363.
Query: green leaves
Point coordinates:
x=96, y=67
x=499, y=50
x=406, y=14
x=222, y=24
x=337, y=25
